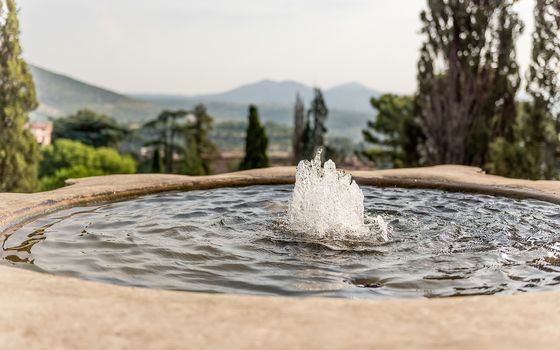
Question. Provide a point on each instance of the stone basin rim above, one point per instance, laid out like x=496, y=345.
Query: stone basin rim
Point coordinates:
x=411, y=178
x=235, y=321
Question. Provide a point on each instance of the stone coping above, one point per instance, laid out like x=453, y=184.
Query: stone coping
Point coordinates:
x=45, y=311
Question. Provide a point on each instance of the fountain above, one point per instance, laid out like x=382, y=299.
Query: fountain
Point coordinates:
x=218, y=239
x=328, y=204
x=323, y=236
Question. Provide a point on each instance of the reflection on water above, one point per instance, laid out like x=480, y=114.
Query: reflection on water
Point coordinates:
x=236, y=241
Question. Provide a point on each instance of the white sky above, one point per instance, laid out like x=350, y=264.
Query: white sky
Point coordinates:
x=201, y=46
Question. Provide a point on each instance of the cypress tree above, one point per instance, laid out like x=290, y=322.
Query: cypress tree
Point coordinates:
x=307, y=141
x=19, y=152
x=319, y=112
x=498, y=116
x=300, y=123
x=313, y=135
x=543, y=79
x=157, y=161
x=533, y=151
x=256, y=143
x=544, y=82
x=467, y=77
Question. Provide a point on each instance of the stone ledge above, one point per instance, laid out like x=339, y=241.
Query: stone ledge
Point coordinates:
x=45, y=311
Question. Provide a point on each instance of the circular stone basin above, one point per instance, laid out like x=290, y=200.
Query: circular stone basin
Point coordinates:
x=235, y=240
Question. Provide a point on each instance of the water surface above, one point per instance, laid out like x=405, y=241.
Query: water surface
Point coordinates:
x=234, y=240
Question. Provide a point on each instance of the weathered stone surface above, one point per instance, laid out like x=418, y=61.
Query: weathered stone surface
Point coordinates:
x=45, y=311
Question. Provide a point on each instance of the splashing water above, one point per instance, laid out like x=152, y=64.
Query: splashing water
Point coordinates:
x=327, y=203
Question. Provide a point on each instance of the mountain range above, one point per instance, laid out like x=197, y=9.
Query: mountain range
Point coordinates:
x=60, y=95
x=351, y=96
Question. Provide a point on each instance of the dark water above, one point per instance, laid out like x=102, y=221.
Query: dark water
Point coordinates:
x=232, y=241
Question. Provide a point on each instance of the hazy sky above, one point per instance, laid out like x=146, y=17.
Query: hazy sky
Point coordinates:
x=201, y=46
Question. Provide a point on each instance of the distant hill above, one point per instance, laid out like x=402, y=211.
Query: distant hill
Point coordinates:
x=264, y=92
x=351, y=96
x=60, y=95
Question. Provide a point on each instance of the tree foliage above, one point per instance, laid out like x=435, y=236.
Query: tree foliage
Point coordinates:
x=187, y=133
x=396, y=135
x=256, y=143
x=157, y=161
x=193, y=164
x=71, y=159
x=19, y=152
x=467, y=77
x=310, y=128
x=166, y=129
x=307, y=140
x=89, y=128
x=200, y=151
x=533, y=151
x=300, y=123
x=318, y=113
x=524, y=156
x=543, y=77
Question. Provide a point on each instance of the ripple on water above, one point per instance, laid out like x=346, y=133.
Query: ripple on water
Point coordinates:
x=235, y=240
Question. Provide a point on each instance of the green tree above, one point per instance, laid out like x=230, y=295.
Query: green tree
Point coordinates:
x=396, y=133
x=90, y=128
x=166, y=129
x=19, y=152
x=193, y=164
x=71, y=159
x=533, y=151
x=256, y=143
x=498, y=115
x=200, y=151
x=524, y=156
x=157, y=161
x=467, y=77
x=544, y=81
x=318, y=112
x=300, y=122
x=307, y=141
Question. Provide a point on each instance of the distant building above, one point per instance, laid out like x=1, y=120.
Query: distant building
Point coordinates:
x=42, y=132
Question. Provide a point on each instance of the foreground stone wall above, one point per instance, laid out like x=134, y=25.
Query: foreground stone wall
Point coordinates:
x=45, y=311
